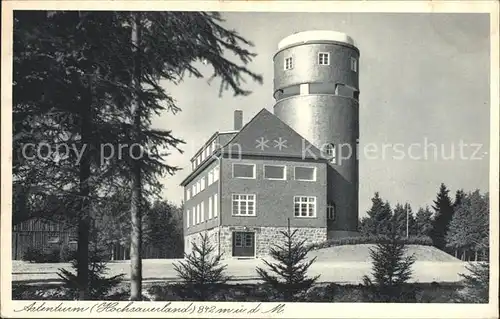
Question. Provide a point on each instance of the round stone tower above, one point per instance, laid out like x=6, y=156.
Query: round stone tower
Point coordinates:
x=316, y=88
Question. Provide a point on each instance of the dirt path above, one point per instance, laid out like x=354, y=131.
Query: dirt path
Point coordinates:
x=244, y=271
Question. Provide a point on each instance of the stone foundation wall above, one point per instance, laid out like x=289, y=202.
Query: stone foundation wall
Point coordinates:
x=266, y=237
x=213, y=237
x=226, y=242
x=270, y=236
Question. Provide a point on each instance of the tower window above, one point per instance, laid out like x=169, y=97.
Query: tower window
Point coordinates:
x=331, y=153
x=354, y=65
x=288, y=63
x=324, y=58
x=330, y=211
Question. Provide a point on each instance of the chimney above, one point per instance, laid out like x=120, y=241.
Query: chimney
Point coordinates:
x=238, y=120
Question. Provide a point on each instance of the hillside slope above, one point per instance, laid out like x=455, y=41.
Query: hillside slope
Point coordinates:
x=361, y=253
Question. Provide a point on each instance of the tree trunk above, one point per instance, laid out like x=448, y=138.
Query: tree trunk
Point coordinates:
x=135, y=209
x=84, y=217
x=475, y=255
x=83, y=223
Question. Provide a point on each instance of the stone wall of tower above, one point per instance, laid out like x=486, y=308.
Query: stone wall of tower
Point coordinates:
x=321, y=102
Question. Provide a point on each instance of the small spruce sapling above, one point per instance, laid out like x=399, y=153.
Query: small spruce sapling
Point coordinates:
x=291, y=267
x=391, y=269
x=476, y=283
x=202, y=272
x=99, y=285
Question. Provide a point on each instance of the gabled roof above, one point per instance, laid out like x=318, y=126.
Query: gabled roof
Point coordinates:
x=266, y=135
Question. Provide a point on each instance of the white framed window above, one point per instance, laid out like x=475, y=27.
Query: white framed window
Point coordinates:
x=354, y=64
x=197, y=160
x=216, y=205
x=210, y=207
x=243, y=204
x=302, y=173
x=202, y=183
x=324, y=58
x=275, y=172
x=304, y=206
x=288, y=63
x=188, y=193
x=330, y=211
x=210, y=177
x=195, y=215
x=198, y=214
x=202, y=155
x=202, y=211
x=243, y=170
x=216, y=173
x=187, y=218
x=193, y=164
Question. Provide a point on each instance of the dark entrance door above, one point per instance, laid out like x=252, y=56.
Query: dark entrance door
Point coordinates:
x=243, y=244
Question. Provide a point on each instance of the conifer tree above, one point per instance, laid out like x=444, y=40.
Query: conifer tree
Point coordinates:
x=84, y=66
x=469, y=227
x=423, y=222
x=391, y=269
x=162, y=229
x=99, y=284
x=399, y=220
x=443, y=209
x=412, y=226
x=379, y=217
x=202, y=272
x=476, y=284
x=459, y=196
x=288, y=275
x=404, y=220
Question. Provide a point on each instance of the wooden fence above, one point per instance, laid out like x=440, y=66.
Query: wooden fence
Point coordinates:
x=41, y=234
x=46, y=235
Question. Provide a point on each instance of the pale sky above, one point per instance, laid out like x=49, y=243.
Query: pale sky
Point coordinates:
x=423, y=77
